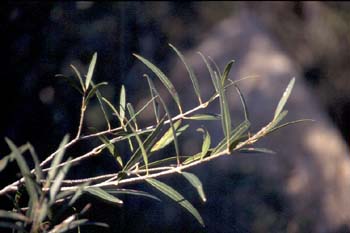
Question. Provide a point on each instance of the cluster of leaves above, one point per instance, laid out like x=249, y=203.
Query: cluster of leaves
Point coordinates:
x=47, y=187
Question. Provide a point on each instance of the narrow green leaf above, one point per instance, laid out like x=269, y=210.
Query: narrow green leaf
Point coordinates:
x=154, y=95
x=163, y=78
x=176, y=144
x=102, y=194
x=195, y=157
x=132, y=192
x=246, y=115
x=284, y=98
x=163, y=161
x=141, y=147
x=132, y=114
x=256, y=150
x=112, y=149
x=190, y=73
x=215, y=65
x=196, y=183
x=58, y=181
x=211, y=72
x=177, y=197
x=38, y=170
x=206, y=142
x=58, y=158
x=122, y=103
x=148, y=143
x=13, y=216
x=29, y=183
x=139, y=111
x=224, y=109
x=278, y=119
x=110, y=105
x=226, y=72
x=77, y=73
x=99, y=98
x=287, y=124
x=90, y=71
x=204, y=117
x=236, y=134
x=92, y=92
x=167, y=137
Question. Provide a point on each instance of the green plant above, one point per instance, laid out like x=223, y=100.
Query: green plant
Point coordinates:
x=48, y=189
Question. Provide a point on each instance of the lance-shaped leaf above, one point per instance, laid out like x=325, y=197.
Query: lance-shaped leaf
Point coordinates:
x=224, y=109
x=29, y=182
x=177, y=197
x=246, y=114
x=77, y=73
x=166, y=138
x=112, y=149
x=122, y=103
x=90, y=71
x=206, y=142
x=163, y=78
x=58, y=181
x=256, y=150
x=38, y=170
x=141, y=147
x=190, y=73
x=154, y=95
x=10, y=157
x=215, y=65
x=103, y=195
x=58, y=158
x=93, y=91
x=141, y=110
x=236, y=135
x=132, y=114
x=204, y=117
x=196, y=183
x=132, y=192
x=284, y=98
x=287, y=124
x=211, y=72
x=148, y=143
x=226, y=72
x=99, y=98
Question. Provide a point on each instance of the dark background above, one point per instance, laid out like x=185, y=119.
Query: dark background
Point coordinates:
x=40, y=40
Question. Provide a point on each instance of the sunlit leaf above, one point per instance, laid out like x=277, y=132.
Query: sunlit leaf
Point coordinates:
x=236, y=134
x=29, y=183
x=284, y=98
x=177, y=197
x=215, y=65
x=132, y=114
x=224, y=109
x=57, y=159
x=206, y=142
x=196, y=183
x=122, y=103
x=100, y=193
x=148, y=143
x=99, y=98
x=190, y=73
x=226, y=72
x=90, y=71
x=167, y=138
x=287, y=124
x=204, y=117
x=38, y=170
x=163, y=78
x=58, y=181
x=256, y=150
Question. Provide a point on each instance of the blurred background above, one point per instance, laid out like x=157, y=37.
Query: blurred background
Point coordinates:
x=43, y=39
